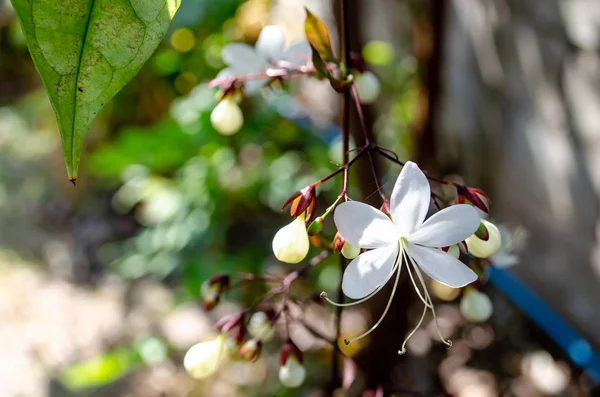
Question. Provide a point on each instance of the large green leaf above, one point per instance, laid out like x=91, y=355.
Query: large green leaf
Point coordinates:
x=86, y=51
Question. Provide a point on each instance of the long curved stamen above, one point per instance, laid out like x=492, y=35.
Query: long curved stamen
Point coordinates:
x=425, y=302
x=387, y=307
x=403, y=348
x=323, y=295
x=445, y=341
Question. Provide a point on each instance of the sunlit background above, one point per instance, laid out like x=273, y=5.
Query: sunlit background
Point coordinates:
x=100, y=284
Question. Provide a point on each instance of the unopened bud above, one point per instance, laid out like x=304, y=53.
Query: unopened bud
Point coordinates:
x=227, y=117
x=315, y=227
x=476, y=306
x=204, y=358
x=338, y=243
x=212, y=289
x=302, y=201
x=350, y=251
x=291, y=243
x=475, y=197
x=368, y=87
x=250, y=351
x=291, y=373
x=452, y=250
x=259, y=326
x=484, y=248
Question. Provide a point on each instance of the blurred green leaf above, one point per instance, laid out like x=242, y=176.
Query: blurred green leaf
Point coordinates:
x=86, y=51
x=162, y=148
x=100, y=370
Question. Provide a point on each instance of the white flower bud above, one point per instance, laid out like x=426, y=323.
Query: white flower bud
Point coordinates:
x=203, y=359
x=454, y=251
x=292, y=374
x=476, y=306
x=259, y=326
x=481, y=248
x=227, y=117
x=291, y=244
x=350, y=251
x=368, y=87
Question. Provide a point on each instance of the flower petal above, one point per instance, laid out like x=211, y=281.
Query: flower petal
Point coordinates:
x=242, y=57
x=447, y=227
x=270, y=42
x=410, y=199
x=441, y=267
x=368, y=271
x=299, y=53
x=364, y=226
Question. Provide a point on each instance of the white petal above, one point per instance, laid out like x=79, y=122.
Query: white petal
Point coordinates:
x=447, y=227
x=364, y=226
x=270, y=42
x=368, y=271
x=410, y=199
x=242, y=57
x=441, y=266
x=299, y=53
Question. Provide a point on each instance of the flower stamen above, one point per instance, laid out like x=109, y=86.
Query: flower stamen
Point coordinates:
x=387, y=307
x=445, y=341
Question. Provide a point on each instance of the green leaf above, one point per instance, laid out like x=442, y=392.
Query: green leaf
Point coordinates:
x=86, y=51
x=318, y=36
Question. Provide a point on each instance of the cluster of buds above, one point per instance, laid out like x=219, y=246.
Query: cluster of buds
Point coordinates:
x=291, y=243
x=212, y=289
x=291, y=373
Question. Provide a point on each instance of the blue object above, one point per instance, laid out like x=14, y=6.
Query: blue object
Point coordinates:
x=575, y=346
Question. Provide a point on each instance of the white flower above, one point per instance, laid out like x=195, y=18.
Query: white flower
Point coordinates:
x=484, y=248
x=203, y=359
x=291, y=243
x=368, y=87
x=406, y=237
x=292, y=374
x=476, y=306
x=227, y=117
x=243, y=59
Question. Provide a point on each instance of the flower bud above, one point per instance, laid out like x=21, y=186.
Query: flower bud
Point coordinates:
x=452, y=250
x=250, y=351
x=303, y=201
x=203, y=359
x=350, y=251
x=227, y=117
x=291, y=244
x=476, y=306
x=315, y=227
x=291, y=373
x=338, y=243
x=484, y=248
x=211, y=290
x=368, y=87
x=475, y=197
x=259, y=326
